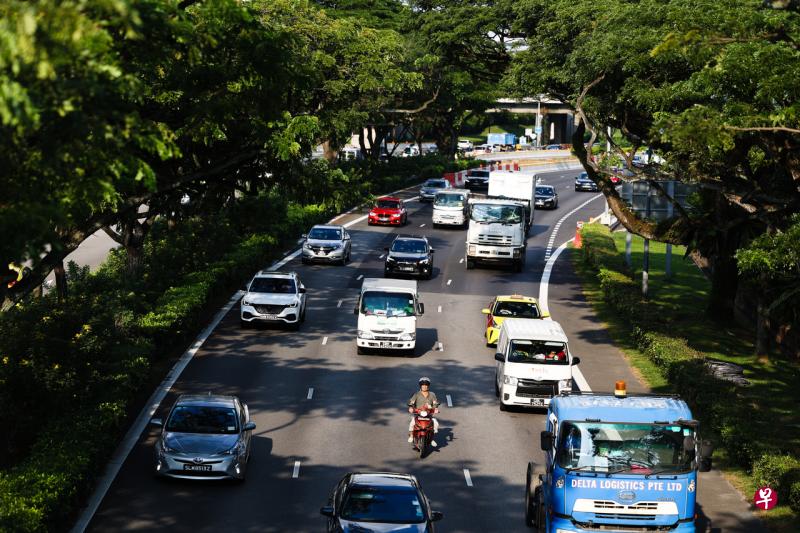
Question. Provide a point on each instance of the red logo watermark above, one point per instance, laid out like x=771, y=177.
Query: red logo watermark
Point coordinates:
x=765, y=498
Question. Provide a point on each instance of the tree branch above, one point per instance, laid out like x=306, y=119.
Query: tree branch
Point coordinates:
x=417, y=110
x=775, y=129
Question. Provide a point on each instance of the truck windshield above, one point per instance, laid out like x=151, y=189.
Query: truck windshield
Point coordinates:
x=387, y=303
x=616, y=447
x=511, y=214
x=538, y=352
x=449, y=200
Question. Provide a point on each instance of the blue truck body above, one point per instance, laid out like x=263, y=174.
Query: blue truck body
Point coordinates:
x=617, y=462
x=501, y=138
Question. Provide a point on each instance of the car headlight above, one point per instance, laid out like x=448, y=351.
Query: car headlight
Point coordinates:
x=395, y=215
x=509, y=380
x=424, y=261
x=565, y=384
x=337, y=246
x=391, y=259
x=472, y=249
x=293, y=304
x=235, y=450
x=408, y=336
x=245, y=302
x=165, y=447
x=362, y=334
x=306, y=246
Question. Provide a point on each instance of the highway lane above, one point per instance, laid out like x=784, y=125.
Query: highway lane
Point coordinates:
x=355, y=418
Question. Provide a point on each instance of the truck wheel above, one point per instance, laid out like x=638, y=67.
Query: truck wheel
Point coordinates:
x=361, y=351
x=470, y=264
x=518, y=264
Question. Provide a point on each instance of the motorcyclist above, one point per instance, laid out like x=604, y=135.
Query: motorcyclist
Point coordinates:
x=423, y=398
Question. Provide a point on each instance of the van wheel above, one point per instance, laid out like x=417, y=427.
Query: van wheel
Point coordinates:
x=361, y=351
x=496, y=388
x=470, y=264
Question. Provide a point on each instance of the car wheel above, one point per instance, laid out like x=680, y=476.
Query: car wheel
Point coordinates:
x=429, y=275
x=244, y=324
x=503, y=407
x=405, y=220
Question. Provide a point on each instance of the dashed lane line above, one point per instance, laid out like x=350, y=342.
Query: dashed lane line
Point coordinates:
x=310, y=393
x=360, y=277
x=449, y=282
x=340, y=303
x=467, y=477
x=449, y=401
x=296, y=470
x=554, y=233
x=440, y=347
x=440, y=309
x=324, y=341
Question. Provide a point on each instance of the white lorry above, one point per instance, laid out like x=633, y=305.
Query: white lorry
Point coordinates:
x=451, y=207
x=387, y=315
x=517, y=185
x=497, y=232
x=533, y=362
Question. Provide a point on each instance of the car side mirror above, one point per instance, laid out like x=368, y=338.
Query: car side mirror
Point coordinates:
x=486, y=311
x=157, y=422
x=326, y=511
x=432, y=250
x=355, y=310
x=244, y=288
x=304, y=236
x=436, y=516
x=576, y=360
x=546, y=441
x=499, y=357
x=250, y=426
x=545, y=315
x=421, y=308
x=302, y=290
x=706, y=451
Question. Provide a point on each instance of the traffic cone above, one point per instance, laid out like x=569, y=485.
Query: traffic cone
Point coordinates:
x=577, y=242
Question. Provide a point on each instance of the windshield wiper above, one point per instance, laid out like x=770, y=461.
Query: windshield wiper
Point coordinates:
x=580, y=468
x=665, y=469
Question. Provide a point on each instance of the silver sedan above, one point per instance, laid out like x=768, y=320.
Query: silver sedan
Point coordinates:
x=327, y=243
x=204, y=437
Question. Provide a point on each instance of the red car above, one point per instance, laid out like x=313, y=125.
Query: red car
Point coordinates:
x=388, y=210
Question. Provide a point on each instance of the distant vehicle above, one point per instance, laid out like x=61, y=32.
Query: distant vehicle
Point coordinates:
x=388, y=211
x=583, y=183
x=431, y=187
x=450, y=207
x=205, y=437
x=349, y=154
x=509, y=306
x=484, y=148
x=410, y=151
x=274, y=297
x=477, y=179
x=553, y=147
x=375, y=502
x=432, y=150
x=465, y=145
x=546, y=196
x=327, y=243
x=503, y=139
x=411, y=255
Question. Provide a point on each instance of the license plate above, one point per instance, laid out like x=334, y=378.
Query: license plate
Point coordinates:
x=385, y=345
x=407, y=269
x=270, y=317
x=537, y=402
x=198, y=468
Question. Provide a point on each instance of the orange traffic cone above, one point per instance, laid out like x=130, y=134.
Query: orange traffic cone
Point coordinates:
x=577, y=242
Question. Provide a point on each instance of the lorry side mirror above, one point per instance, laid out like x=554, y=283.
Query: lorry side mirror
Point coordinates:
x=355, y=310
x=421, y=308
x=432, y=250
x=706, y=451
x=688, y=443
x=576, y=360
x=499, y=357
x=547, y=441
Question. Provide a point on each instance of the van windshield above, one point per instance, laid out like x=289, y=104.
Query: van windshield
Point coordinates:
x=387, y=303
x=449, y=200
x=538, y=352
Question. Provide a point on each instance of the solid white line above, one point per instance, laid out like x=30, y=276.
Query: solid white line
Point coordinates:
x=440, y=308
x=360, y=276
x=467, y=477
x=279, y=264
x=441, y=347
x=296, y=471
x=324, y=341
x=310, y=393
x=449, y=401
x=340, y=303
x=449, y=281
x=147, y=412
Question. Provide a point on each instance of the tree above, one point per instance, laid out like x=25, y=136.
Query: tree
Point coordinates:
x=711, y=85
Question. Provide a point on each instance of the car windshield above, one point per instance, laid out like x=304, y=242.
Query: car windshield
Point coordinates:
x=409, y=246
x=449, y=200
x=387, y=303
x=273, y=285
x=203, y=419
x=388, y=204
x=538, y=352
x=479, y=174
x=325, y=234
x=436, y=184
x=517, y=310
x=633, y=448
x=397, y=505
x=497, y=213
x=583, y=176
x=544, y=191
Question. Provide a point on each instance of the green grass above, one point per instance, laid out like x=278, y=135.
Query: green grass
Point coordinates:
x=681, y=300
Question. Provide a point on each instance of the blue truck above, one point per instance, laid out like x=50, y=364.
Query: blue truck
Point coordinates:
x=503, y=139
x=615, y=462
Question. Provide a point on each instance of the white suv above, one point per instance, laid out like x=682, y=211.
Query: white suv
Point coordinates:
x=465, y=145
x=274, y=298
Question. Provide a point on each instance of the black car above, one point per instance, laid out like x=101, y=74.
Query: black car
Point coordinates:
x=378, y=501
x=546, y=196
x=409, y=254
x=583, y=183
x=477, y=180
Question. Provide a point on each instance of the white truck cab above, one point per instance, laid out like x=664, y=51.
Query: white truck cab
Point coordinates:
x=533, y=362
x=451, y=207
x=387, y=313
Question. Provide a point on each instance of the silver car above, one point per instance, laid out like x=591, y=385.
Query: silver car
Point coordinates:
x=326, y=243
x=274, y=297
x=431, y=187
x=205, y=437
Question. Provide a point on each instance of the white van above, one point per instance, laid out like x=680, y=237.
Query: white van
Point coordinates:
x=387, y=315
x=451, y=207
x=533, y=362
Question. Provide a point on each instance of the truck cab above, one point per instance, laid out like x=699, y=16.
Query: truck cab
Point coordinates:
x=387, y=313
x=615, y=462
x=497, y=232
x=451, y=207
x=533, y=362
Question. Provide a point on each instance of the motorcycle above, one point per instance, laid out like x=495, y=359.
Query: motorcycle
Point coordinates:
x=423, y=429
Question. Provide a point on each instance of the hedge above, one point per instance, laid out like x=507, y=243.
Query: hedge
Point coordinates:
x=714, y=402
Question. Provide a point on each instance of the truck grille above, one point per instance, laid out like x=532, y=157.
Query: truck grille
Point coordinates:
x=494, y=240
x=536, y=389
x=269, y=309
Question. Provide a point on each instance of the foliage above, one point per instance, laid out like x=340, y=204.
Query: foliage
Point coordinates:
x=782, y=473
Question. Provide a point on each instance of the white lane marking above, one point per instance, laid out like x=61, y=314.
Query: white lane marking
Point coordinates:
x=449, y=401
x=147, y=412
x=467, y=477
x=554, y=233
x=296, y=471
x=381, y=256
x=449, y=281
x=422, y=225
x=310, y=393
x=440, y=308
x=340, y=303
x=324, y=341
x=279, y=264
x=360, y=276
x=440, y=347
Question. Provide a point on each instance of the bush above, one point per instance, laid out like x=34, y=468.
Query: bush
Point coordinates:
x=782, y=473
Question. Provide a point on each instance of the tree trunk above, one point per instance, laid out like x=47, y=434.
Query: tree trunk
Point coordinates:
x=329, y=152
x=724, y=284
x=61, y=282
x=762, y=326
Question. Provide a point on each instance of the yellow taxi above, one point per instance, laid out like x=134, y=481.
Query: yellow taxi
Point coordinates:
x=510, y=306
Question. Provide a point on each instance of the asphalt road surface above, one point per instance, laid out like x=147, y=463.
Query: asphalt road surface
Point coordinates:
x=355, y=418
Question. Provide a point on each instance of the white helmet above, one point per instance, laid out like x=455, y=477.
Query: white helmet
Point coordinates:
x=425, y=380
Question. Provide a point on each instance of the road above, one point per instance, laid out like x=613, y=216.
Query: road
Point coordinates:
x=355, y=417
